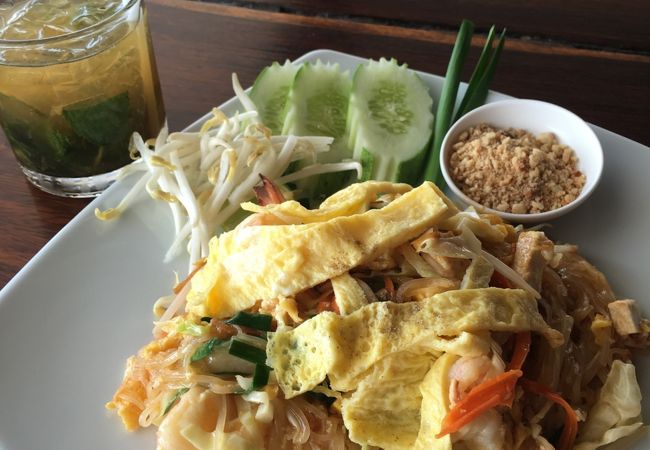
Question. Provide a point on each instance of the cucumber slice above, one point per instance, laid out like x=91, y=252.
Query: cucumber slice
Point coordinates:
x=317, y=106
x=390, y=122
x=318, y=102
x=270, y=92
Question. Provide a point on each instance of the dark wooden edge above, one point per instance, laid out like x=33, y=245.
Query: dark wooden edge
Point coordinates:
x=437, y=36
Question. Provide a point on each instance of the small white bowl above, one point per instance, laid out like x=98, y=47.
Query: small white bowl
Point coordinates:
x=536, y=117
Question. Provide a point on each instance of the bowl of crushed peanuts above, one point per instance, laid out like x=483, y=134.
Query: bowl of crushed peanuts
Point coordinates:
x=524, y=160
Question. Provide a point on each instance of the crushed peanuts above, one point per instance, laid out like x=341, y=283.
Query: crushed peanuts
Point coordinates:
x=514, y=171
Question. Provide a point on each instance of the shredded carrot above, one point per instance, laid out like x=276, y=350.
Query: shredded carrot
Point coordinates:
x=570, y=420
x=496, y=391
x=521, y=349
x=197, y=266
x=390, y=287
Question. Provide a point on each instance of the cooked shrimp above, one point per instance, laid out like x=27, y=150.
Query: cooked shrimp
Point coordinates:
x=486, y=432
x=469, y=372
x=258, y=219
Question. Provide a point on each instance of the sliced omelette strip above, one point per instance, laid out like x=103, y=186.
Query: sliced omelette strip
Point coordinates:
x=349, y=295
x=344, y=348
x=355, y=199
x=434, y=390
x=267, y=262
x=384, y=411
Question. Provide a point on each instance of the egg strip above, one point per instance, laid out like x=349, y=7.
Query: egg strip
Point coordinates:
x=345, y=347
x=267, y=262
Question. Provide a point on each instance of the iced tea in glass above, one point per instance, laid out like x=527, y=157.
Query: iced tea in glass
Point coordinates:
x=77, y=78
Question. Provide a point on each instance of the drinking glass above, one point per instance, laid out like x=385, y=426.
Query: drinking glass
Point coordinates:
x=77, y=78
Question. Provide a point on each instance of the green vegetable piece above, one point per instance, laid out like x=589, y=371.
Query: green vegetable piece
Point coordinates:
x=270, y=92
x=331, y=107
x=448, y=99
x=193, y=329
x=483, y=61
x=247, y=352
x=207, y=348
x=174, y=399
x=479, y=85
x=60, y=143
x=262, y=322
x=27, y=130
x=102, y=123
x=260, y=377
x=318, y=105
x=367, y=165
x=388, y=107
x=389, y=121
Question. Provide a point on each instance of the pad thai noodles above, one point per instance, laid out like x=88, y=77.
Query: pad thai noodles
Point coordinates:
x=386, y=318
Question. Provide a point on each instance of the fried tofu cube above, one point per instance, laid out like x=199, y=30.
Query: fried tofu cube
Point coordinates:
x=625, y=316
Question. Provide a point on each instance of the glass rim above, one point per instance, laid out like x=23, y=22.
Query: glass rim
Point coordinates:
x=72, y=34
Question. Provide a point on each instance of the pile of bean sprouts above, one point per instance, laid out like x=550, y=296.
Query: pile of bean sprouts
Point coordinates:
x=204, y=176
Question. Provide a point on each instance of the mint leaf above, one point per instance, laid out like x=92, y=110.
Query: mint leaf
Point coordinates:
x=60, y=143
x=102, y=123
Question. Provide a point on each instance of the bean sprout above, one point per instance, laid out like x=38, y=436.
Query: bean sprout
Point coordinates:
x=205, y=176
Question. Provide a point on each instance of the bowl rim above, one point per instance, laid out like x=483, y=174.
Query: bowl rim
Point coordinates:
x=526, y=217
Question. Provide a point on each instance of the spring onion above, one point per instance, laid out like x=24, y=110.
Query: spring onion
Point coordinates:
x=260, y=376
x=262, y=322
x=479, y=70
x=475, y=95
x=447, y=100
x=206, y=349
x=247, y=352
x=479, y=83
x=174, y=399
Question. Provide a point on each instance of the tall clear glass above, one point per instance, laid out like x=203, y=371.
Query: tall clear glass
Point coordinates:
x=76, y=80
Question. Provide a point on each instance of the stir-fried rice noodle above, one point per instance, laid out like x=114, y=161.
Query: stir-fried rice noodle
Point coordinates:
x=204, y=177
x=420, y=288
x=573, y=300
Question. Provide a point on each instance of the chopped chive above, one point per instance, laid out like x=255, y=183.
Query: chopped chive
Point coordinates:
x=247, y=352
x=445, y=111
x=260, y=376
x=206, y=349
x=177, y=395
x=262, y=322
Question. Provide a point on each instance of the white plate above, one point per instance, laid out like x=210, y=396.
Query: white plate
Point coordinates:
x=82, y=305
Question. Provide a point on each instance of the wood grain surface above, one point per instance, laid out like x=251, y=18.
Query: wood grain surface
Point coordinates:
x=198, y=45
x=589, y=23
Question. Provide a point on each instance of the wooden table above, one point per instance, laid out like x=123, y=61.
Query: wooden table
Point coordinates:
x=591, y=57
